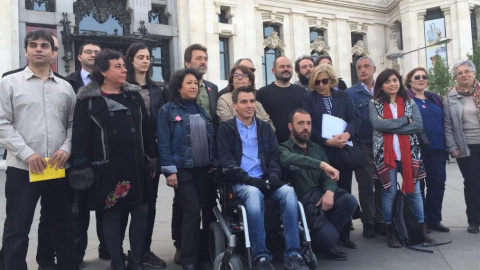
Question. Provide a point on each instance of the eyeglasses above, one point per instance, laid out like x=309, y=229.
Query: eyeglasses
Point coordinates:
x=96, y=52
x=418, y=77
x=238, y=75
x=323, y=81
x=466, y=72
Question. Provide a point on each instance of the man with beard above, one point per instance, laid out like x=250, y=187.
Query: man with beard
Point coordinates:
x=281, y=97
x=304, y=68
x=248, y=147
x=327, y=208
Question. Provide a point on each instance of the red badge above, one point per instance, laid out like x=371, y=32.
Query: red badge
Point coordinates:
x=178, y=118
x=209, y=89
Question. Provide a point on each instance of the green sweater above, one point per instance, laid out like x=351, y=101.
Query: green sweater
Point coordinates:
x=310, y=175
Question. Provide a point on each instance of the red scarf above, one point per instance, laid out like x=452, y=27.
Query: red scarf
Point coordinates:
x=404, y=140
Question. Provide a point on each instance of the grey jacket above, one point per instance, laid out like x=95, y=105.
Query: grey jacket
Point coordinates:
x=398, y=126
x=454, y=135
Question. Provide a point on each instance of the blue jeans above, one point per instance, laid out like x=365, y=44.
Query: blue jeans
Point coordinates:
x=288, y=208
x=388, y=196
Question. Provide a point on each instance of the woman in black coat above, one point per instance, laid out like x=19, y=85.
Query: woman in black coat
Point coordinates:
x=113, y=146
x=323, y=99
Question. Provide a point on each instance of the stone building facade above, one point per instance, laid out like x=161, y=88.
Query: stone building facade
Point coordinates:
x=392, y=32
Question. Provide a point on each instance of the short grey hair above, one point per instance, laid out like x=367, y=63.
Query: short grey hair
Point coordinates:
x=467, y=63
x=363, y=58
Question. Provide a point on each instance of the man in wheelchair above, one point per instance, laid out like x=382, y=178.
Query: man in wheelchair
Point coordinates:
x=250, y=145
x=327, y=208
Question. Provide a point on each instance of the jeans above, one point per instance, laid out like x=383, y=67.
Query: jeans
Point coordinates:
x=22, y=197
x=369, y=189
x=470, y=169
x=435, y=162
x=288, y=208
x=388, y=195
x=338, y=217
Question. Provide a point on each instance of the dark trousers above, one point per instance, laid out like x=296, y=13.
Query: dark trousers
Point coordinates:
x=435, y=162
x=327, y=236
x=112, y=231
x=207, y=213
x=470, y=169
x=369, y=189
x=190, y=193
x=45, y=250
x=81, y=222
x=345, y=182
x=22, y=197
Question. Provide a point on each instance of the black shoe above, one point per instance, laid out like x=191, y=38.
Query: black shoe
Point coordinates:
x=263, y=263
x=347, y=243
x=334, y=255
x=438, y=227
x=46, y=267
x=368, y=230
x=178, y=255
x=380, y=228
x=194, y=267
x=153, y=260
x=117, y=266
x=103, y=253
x=472, y=228
x=295, y=263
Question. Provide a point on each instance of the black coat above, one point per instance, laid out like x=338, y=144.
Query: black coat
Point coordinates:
x=75, y=80
x=113, y=142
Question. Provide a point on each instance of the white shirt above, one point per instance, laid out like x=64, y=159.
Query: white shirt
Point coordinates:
x=86, y=80
x=370, y=91
x=35, y=116
x=396, y=143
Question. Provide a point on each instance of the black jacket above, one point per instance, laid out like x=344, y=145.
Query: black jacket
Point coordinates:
x=75, y=80
x=230, y=150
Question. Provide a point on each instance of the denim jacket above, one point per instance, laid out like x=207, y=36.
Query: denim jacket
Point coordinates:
x=360, y=98
x=174, y=143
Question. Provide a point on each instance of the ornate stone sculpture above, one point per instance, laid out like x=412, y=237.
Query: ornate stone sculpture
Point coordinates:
x=359, y=49
x=273, y=42
x=67, y=42
x=319, y=45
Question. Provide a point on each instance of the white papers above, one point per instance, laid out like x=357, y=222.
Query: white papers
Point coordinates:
x=332, y=125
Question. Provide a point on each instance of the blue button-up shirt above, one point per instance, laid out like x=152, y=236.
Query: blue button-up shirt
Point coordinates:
x=250, y=161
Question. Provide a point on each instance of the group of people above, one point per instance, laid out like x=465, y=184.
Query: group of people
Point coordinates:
x=115, y=131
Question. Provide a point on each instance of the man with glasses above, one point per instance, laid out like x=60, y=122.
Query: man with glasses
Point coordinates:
x=370, y=201
x=280, y=98
x=243, y=62
x=86, y=56
x=304, y=69
x=81, y=212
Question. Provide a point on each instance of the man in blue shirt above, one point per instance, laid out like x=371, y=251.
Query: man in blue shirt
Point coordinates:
x=249, y=146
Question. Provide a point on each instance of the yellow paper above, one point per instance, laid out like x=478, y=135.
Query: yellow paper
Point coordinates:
x=48, y=174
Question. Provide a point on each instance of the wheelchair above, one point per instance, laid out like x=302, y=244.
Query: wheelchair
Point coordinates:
x=229, y=237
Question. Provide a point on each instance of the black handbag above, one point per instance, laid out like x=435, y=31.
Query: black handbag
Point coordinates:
x=423, y=139
x=348, y=158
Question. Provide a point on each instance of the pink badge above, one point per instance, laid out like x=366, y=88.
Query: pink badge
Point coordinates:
x=209, y=89
x=423, y=106
x=178, y=118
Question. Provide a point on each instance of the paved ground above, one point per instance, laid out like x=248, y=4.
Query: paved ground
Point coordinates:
x=462, y=253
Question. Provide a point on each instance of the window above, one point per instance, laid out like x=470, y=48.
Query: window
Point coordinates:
x=224, y=59
x=269, y=54
x=40, y=5
x=98, y=17
x=473, y=22
x=222, y=18
x=314, y=33
x=157, y=15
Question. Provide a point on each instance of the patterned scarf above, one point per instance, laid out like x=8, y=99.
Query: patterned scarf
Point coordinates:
x=474, y=92
x=390, y=156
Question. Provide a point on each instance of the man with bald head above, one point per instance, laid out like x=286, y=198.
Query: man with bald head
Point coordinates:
x=280, y=98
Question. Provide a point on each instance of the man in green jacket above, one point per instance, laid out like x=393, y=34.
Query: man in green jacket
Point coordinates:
x=327, y=208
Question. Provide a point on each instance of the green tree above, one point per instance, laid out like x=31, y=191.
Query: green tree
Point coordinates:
x=439, y=77
x=475, y=57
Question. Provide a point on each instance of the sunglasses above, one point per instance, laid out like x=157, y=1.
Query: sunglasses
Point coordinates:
x=324, y=81
x=418, y=77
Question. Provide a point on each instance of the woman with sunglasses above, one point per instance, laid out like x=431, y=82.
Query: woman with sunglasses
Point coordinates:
x=323, y=99
x=240, y=75
x=434, y=156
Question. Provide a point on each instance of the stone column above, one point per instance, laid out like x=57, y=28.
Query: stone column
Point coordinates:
x=422, y=60
x=343, y=38
x=449, y=33
x=477, y=19
x=9, y=45
x=409, y=21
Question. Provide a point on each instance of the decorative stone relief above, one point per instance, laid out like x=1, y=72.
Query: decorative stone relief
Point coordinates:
x=67, y=42
x=101, y=10
x=273, y=42
x=359, y=49
x=319, y=45
x=272, y=17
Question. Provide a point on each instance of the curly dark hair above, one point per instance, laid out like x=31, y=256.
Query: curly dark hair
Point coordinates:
x=176, y=81
x=102, y=63
x=245, y=70
x=379, y=95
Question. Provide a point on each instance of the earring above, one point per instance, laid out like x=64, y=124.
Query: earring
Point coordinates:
x=104, y=80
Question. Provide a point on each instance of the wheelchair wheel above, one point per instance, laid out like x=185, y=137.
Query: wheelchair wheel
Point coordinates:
x=233, y=264
x=216, y=241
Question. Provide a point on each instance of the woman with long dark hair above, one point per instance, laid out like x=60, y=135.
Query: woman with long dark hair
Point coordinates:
x=395, y=120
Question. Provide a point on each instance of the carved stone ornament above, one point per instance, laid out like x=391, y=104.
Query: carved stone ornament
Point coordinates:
x=67, y=42
x=319, y=45
x=273, y=41
x=49, y=4
x=101, y=10
x=359, y=49
x=143, y=29
x=393, y=50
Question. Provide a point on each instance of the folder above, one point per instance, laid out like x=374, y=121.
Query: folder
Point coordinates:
x=48, y=173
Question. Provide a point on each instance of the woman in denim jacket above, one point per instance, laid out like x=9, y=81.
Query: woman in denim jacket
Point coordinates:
x=186, y=145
